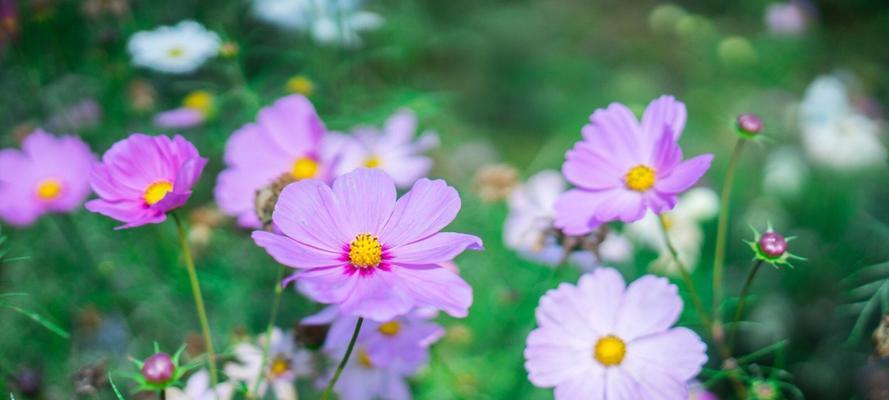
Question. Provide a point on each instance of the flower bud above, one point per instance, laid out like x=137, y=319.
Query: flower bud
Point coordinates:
x=749, y=124
x=772, y=244
x=159, y=368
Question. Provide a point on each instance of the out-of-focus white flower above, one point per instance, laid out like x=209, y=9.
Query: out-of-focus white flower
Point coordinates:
x=198, y=388
x=789, y=18
x=835, y=134
x=785, y=172
x=683, y=226
x=285, y=363
x=529, y=226
x=393, y=150
x=178, y=49
x=334, y=22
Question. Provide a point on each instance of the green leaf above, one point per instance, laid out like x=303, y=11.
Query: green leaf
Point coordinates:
x=38, y=319
x=114, y=387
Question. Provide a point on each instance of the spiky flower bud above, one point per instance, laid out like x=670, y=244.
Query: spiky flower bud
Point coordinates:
x=749, y=124
x=772, y=244
x=771, y=247
x=159, y=368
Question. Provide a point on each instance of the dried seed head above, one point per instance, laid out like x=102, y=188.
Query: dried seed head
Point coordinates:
x=881, y=338
x=267, y=197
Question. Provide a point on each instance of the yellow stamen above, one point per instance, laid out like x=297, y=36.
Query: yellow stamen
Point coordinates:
x=175, y=52
x=365, y=251
x=157, y=191
x=304, y=168
x=372, y=162
x=364, y=359
x=390, y=328
x=49, y=189
x=279, y=366
x=610, y=350
x=301, y=85
x=640, y=178
x=200, y=100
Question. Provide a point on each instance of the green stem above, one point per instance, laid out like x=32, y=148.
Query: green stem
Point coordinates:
x=741, y=301
x=273, y=316
x=689, y=284
x=162, y=394
x=722, y=228
x=339, y=369
x=74, y=238
x=198, y=300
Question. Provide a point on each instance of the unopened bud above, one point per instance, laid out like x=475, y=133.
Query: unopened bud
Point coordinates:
x=159, y=368
x=772, y=244
x=749, y=124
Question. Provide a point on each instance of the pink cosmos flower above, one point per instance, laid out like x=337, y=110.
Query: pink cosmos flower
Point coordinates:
x=142, y=177
x=393, y=150
x=49, y=174
x=356, y=247
x=602, y=339
x=623, y=167
x=286, y=139
x=179, y=118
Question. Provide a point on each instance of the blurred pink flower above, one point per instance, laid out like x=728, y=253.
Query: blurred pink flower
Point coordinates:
x=142, y=177
x=602, y=339
x=9, y=21
x=82, y=114
x=286, y=139
x=392, y=150
x=622, y=168
x=787, y=18
x=49, y=174
x=180, y=118
x=356, y=247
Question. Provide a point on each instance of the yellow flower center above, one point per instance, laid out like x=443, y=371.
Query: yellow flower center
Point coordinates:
x=640, y=178
x=279, y=366
x=610, y=350
x=364, y=359
x=157, y=191
x=49, y=189
x=304, y=168
x=365, y=251
x=175, y=52
x=301, y=85
x=372, y=162
x=200, y=100
x=390, y=328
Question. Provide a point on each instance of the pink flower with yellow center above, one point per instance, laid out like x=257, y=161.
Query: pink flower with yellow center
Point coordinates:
x=623, y=167
x=285, y=141
x=49, y=174
x=142, y=177
x=604, y=340
x=359, y=248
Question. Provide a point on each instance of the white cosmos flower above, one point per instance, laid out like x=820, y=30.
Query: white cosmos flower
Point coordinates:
x=178, y=49
x=785, y=172
x=684, y=227
x=285, y=363
x=835, y=134
x=198, y=388
x=331, y=22
x=529, y=226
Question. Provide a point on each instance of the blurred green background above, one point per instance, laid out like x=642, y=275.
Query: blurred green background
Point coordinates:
x=501, y=82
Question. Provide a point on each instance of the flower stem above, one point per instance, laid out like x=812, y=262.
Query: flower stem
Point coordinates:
x=74, y=238
x=339, y=369
x=273, y=316
x=198, y=300
x=695, y=298
x=722, y=228
x=741, y=301
x=162, y=394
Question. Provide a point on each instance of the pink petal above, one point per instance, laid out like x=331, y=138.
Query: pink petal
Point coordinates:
x=684, y=175
x=435, y=287
x=401, y=127
x=650, y=305
x=667, y=153
x=294, y=254
x=438, y=248
x=328, y=285
x=616, y=131
x=554, y=356
x=659, y=202
x=620, y=386
x=293, y=124
x=664, y=111
x=588, y=386
x=621, y=204
x=678, y=353
x=575, y=211
x=367, y=197
x=584, y=311
x=590, y=169
x=308, y=212
x=427, y=208
x=377, y=296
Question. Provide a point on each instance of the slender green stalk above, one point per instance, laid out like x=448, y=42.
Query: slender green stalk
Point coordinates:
x=162, y=394
x=722, y=228
x=273, y=316
x=689, y=284
x=741, y=301
x=198, y=300
x=339, y=369
x=74, y=238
